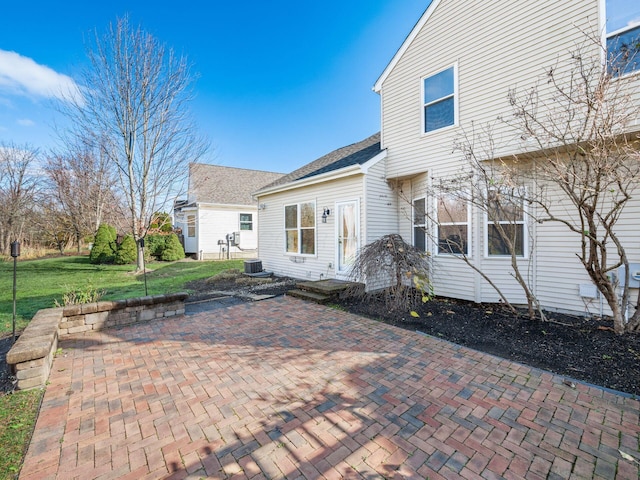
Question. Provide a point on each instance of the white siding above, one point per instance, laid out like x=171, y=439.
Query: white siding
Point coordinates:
x=271, y=242
x=377, y=205
x=494, y=52
x=215, y=222
x=495, y=48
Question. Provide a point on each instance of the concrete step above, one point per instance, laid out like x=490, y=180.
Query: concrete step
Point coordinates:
x=309, y=296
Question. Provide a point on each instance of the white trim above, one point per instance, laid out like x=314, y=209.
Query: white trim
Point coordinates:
x=525, y=234
x=413, y=219
x=424, y=133
x=405, y=45
x=299, y=228
x=469, y=254
x=343, y=274
x=324, y=177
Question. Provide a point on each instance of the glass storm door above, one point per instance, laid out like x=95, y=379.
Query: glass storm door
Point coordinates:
x=348, y=241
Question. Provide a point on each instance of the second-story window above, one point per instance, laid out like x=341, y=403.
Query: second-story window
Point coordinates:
x=439, y=100
x=623, y=36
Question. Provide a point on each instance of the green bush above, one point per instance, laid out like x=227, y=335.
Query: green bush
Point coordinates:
x=104, y=246
x=173, y=249
x=154, y=245
x=127, y=251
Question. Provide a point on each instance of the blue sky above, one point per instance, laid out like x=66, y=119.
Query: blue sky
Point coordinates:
x=280, y=83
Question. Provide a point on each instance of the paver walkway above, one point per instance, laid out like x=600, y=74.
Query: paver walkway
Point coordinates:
x=287, y=389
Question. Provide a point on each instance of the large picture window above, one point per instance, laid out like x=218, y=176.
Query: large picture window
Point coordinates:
x=439, y=100
x=623, y=36
x=300, y=228
x=453, y=225
x=419, y=224
x=505, y=225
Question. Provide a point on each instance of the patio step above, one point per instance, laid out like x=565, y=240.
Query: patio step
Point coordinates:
x=309, y=296
x=321, y=291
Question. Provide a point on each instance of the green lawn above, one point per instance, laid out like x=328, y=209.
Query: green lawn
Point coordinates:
x=41, y=282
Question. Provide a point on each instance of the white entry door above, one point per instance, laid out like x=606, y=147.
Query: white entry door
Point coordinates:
x=348, y=241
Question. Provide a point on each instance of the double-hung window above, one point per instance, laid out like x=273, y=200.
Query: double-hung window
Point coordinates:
x=246, y=221
x=191, y=226
x=439, y=98
x=623, y=36
x=453, y=224
x=505, y=223
x=300, y=228
x=419, y=224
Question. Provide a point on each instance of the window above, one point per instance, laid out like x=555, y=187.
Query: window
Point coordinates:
x=300, y=228
x=623, y=36
x=191, y=226
x=246, y=221
x=453, y=225
x=505, y=224
x=439, y=100
x=419, y=224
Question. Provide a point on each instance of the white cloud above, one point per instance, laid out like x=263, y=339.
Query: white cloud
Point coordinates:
x=23, y=76
x=25, y=122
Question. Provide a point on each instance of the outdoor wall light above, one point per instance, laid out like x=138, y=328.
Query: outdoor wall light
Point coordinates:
x=325, y=213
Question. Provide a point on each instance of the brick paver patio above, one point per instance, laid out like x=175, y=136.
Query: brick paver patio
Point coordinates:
x=287, y=389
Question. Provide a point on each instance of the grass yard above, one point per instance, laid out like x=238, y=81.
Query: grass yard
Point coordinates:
x=41, y=282
x=18, y=414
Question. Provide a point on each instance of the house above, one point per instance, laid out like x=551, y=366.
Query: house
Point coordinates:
x=219, y=217
x=314, y=220
x=451, y=80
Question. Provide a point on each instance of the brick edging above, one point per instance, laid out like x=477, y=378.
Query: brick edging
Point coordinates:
x=32, y=354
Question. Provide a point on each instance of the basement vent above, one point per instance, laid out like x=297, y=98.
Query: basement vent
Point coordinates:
x=588, y=290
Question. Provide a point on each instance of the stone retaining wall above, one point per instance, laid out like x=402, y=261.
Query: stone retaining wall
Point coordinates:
x=32, y=354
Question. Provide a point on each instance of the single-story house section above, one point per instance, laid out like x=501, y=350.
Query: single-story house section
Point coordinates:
x=315, y=219
x=219, y=217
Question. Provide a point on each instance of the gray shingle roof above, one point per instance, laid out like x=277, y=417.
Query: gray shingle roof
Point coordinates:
x=357, y=153
x=226, y=185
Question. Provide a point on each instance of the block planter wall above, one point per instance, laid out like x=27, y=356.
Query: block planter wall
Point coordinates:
x=32, y=355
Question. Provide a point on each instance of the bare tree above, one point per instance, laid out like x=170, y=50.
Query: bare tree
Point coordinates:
x=393, y=263
x=136, y=103
x=18, y=191
x=581, y=124
x=83, y=185
x=497, y=189
x=447, y=237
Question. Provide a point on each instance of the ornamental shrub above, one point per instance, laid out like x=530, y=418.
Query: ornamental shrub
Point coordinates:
x=173, y=249
x=154, y=246
x=127, y=251
x=104, y=245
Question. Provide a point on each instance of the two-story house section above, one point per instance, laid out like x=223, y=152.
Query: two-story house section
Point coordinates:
x=449, y=84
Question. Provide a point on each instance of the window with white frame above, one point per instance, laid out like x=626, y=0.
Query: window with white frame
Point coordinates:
x=419, y=224
x=439, y=100
x=300, y=228
x=505, y=222
x=623, y=36
x=246, y=221
x=452, y=213
x=191, y=226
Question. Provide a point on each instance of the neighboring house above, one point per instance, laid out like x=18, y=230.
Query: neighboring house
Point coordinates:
x=219, y=218
x=314, y=220
x=452, y=74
